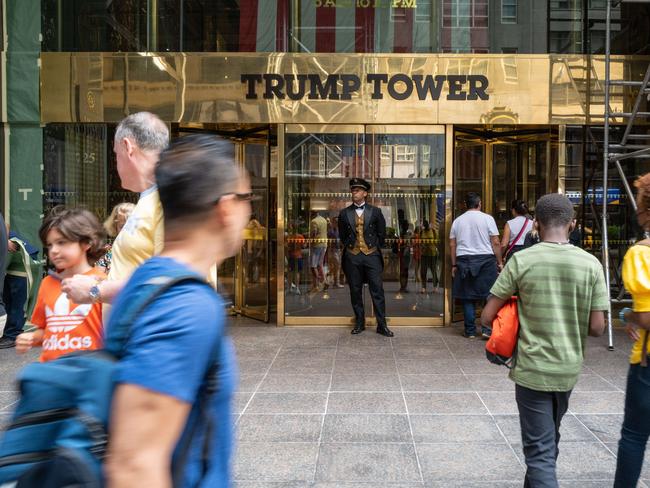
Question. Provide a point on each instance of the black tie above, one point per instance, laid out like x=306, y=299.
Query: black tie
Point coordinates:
x=360, y=207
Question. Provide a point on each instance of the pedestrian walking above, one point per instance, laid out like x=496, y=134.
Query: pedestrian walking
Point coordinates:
x=317, y=249
x=516, y=229
x=74, y=239
x=139, y=139
x=636, y=422
x=561, y=298
x=475, y=259
x=159, y=423
x=362, y=229
x=429, y=257
x=4, y=255
x=113, y=225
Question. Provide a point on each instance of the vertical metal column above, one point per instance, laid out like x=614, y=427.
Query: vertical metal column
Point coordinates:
x=605, y=250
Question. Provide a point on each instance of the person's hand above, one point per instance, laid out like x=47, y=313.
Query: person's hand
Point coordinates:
x=453, y=271
x=78, y=288
x=632, y=332
x=24, y=342
x=12, y=246
x=500, y=267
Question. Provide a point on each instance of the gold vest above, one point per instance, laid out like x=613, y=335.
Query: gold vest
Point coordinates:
x=360, y=244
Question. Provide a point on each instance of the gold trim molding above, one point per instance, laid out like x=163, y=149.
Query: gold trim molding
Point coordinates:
x=334, y=88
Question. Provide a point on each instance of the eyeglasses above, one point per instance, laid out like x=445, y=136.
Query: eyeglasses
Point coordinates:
x=241, y=197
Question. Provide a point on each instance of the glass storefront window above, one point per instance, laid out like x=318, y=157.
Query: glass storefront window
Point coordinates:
x=342, y=26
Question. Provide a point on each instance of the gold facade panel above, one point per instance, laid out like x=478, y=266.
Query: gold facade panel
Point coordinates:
x=333, y=88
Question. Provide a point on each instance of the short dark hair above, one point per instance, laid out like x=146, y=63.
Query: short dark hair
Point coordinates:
x=192, y=174
x=472, y=200
x=554, y=210
x=520, y=207
x=76, y=225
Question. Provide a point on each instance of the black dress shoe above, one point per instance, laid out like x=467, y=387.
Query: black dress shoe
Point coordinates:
x=385, y=331
x=358, y=329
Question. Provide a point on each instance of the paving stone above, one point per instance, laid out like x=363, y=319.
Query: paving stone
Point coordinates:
x=292, y=352
x=279, y=428
x=256, y=351
x=427, y=366
x=271, y=484
x=254, y=366
x=455, y=428
x=279, y=461
x=361, y=366
x=365, y=382
x=499, y=403
x=369, y=353
x=443, y=403
x=435, y=382
x=249, y=382
x=369, y=338
x=607, y=428
x=437, y=352
x=491, y=382
x=373, y=484
x=366, y=428
x=319, y=365
x=295, y=383
x=240, y=400
x=594, y=382
x=366, y=402
x=288, y=403
x=594, y=403
x=367, y=463
x=497, y=462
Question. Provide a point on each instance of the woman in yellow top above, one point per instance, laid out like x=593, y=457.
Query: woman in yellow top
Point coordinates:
x=636, y=423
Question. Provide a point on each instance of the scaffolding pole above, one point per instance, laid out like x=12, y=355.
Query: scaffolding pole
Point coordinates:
x=605, y=250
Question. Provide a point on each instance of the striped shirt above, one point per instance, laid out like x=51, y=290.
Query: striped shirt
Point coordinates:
x=558, y=287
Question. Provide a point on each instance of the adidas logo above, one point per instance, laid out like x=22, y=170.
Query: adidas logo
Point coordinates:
x=62, y=319
x=56, y=343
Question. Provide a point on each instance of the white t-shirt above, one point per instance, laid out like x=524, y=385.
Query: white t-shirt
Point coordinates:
x=472, y=232
x=516, y=225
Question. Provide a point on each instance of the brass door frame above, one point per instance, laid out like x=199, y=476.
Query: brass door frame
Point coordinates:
x=371, y=129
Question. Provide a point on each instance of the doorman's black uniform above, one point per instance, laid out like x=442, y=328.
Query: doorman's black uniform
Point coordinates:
x=362, y=260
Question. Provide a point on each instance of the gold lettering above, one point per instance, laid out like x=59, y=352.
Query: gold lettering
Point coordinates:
x=330, y=3
x=409, y=4
x=318, y=3
x=363, y=3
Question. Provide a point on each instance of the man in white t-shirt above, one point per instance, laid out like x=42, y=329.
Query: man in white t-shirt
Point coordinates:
x=475, y=259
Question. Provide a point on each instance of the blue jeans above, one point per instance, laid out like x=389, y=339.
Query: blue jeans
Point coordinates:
x=15, y=296
x=540, y=415
x=636, y=427
x=469, y=313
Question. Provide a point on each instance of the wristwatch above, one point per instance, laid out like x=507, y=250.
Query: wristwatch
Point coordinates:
x=622, y=312
x=95, y=293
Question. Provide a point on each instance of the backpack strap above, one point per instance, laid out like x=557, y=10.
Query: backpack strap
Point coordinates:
x=521, y=231
x=120, y=329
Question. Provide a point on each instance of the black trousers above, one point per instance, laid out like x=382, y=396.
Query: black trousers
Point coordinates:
x=540, y=414
x=362, y=269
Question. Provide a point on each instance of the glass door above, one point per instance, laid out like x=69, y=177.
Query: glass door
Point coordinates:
x=406, y=168
x=254, y=271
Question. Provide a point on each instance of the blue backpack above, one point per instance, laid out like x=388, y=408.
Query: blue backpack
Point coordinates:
x=58, y=434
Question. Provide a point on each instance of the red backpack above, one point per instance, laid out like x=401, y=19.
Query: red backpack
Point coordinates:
x=502, y=344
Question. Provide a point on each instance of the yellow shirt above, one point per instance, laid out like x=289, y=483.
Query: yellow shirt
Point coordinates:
x=636, y=277
x=141, y=237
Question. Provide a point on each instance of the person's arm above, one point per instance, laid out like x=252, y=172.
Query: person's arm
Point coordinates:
x=596, y=323
x=78, y=288
x=452, y=255
x=640, y=319
x=490, y=310
x=27, y=340
x=144, y=429
x=505, y=240
x=381, y=228
x=496, y=247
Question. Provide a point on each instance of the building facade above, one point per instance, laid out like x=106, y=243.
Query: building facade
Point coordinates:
x=427, y=99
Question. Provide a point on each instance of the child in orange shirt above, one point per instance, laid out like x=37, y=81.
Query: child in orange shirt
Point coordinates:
x=74, y=239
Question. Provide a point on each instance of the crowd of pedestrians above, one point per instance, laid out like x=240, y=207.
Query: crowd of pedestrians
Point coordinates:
x=176, y=376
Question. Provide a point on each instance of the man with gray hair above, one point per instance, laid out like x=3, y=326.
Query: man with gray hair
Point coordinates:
x=561, y=298
x=139, y=140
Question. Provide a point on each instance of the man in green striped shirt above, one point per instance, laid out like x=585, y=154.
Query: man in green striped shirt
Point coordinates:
x=562, y=299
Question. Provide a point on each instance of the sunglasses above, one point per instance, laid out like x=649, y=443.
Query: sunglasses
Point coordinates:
x=242, y=197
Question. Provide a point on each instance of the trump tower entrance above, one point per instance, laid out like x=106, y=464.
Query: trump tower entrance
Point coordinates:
x=423, y=130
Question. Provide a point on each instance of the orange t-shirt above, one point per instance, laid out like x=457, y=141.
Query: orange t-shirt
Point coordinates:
x=68, y=327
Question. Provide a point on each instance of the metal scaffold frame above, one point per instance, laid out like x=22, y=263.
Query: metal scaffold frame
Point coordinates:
x=615, y=153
